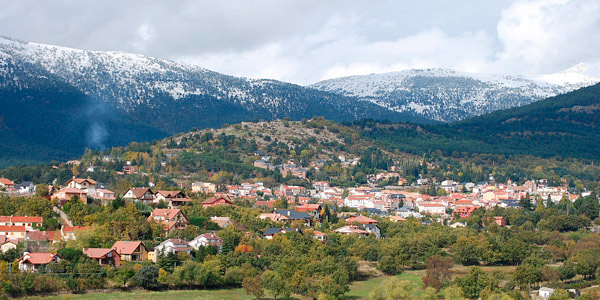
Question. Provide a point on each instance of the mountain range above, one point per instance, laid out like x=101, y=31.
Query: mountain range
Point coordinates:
x=57, y=101
x=447, y=95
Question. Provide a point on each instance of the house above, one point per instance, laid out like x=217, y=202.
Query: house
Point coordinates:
x=51, y=237
x=68, y=232
x=222, y=221
x=128, y=169
x=13, y=232
x=432, y=208
x=206, y=240
x=172, y=219
x=88, y=185
x=172, y=198
x=31, y=262
x=458, y=224
x=374, y=229
x=143, y=194
x=313, y=209
x=290, y=216
x=104, y=256
x=104, y=195
x=6, y=183
x=65, y=194
x=500, y=221
x=466, y=211
x=204, y=187
x=217, y=200
x=361, y=220
x=30, y=223
x=25, y=187
x=270, y=232
x=317, y=235
x=7, y=244
x=172, y=246
x=291, y=191
x=545, y=292
x=131, y=250
x=351, y=230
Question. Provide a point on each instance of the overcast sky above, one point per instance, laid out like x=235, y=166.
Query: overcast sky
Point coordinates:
x=307, y=41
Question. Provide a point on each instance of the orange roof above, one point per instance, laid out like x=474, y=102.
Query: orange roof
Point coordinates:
x=27, y=219
x=38, y=258
x=212, y=200
x=138, y=192
x=97, y=252
x=82, y=180
x=361, y=220
x=318, y=233
x=12, y=228
x=43, y=235
x=127, y=247
x=6, y=181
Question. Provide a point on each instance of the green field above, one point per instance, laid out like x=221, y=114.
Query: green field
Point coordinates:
x=358, y=290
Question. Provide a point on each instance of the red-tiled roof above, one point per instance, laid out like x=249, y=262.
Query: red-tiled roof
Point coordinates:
x=27, y=219
x=362, y=220
x=6, y=181
x=97, y=252
x=38, y=258
x=212, y=200
x=82, y=180
x=43, y=235
x=126, y=247
x=139, y=192
x=12, y=228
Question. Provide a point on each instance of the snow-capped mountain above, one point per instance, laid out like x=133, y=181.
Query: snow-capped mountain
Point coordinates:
x=65, y=99
x=129, y=80
x=447, y=95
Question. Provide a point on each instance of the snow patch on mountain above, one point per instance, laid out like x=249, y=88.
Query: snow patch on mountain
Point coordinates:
x=448, y=95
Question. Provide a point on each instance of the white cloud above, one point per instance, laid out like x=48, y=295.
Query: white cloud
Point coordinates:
x=304, y=41
x=546, y=36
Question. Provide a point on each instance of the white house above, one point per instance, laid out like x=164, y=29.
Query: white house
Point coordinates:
x=172, y=246
x=205, y=240
x=545, y=292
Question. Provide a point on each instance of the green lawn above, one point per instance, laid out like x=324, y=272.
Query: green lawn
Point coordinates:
x=361, y=289
x=220, y=294
x=358, y=290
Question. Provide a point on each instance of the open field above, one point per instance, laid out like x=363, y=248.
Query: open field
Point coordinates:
x=358, y=289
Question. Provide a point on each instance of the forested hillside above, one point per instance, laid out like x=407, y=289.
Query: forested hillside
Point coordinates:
x=565, y=125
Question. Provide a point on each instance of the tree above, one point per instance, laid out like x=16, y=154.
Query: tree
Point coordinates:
x=438, y=272
x=526, y=202
x=253, y=286
x=147, y=278
x=474, y=282
x=273, y=282
x=526, y=274
x=453, y=292
x=567, y=270
x=559, y=294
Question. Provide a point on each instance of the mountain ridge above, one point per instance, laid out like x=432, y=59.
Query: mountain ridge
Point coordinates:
x=447, y=95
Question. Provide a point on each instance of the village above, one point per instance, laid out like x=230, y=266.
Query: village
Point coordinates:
x=302, y=211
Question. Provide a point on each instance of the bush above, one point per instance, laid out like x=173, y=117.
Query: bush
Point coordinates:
x=147, y=278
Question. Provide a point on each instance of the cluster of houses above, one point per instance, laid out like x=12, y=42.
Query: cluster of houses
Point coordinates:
x=132, y=251
x=83, y=188
x=16, y=229
x=10, y=188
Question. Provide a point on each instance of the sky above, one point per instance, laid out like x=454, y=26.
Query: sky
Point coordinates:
x=306, y=41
